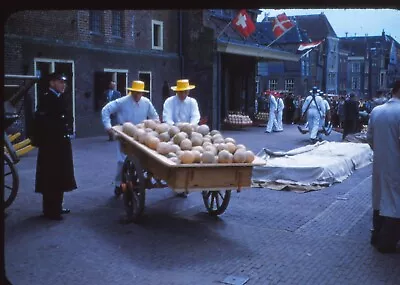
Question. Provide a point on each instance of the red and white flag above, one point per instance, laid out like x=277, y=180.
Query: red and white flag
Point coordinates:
x=305, y=46
x=281, y=24
x=244, y=24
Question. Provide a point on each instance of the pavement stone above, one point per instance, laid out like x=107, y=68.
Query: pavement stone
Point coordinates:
x=268, y=236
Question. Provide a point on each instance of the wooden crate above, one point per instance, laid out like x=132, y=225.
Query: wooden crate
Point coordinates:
x=189, y=177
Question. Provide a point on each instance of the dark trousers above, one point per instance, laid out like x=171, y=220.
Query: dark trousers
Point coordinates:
x=52, y=203
x=349, y=127
x=386, y=232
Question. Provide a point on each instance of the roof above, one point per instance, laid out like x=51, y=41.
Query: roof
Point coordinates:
x=358, y=45
x=316, y=25
x=264, y=34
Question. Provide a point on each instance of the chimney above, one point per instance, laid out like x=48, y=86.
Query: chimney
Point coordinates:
x=346, y=34
x=383, y=33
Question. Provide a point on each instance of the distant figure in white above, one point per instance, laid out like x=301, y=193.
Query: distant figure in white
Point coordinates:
x=272, y=124
x=279, y=115
x=326, y=116
x=313, y=107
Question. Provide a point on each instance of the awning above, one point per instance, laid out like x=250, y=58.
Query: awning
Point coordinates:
x=256, y=51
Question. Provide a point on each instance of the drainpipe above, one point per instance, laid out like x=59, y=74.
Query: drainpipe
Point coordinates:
x=181, y=59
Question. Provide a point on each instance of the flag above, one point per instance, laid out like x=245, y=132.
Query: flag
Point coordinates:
x=244, y=24
x=304, y=46
x=281, y=24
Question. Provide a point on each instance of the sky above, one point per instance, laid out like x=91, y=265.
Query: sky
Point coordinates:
x=356, y=22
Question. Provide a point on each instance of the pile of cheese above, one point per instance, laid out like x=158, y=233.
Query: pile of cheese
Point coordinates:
x=185, y=143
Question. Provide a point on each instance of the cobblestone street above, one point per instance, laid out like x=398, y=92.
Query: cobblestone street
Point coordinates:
x=265, y=236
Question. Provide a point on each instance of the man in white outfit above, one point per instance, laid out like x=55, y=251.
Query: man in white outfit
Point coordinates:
x=130, y=108
x=279, y=115
x=313, y=107
x=383, y=136
x=326, y=117
x=181, y=107
x=273, y=108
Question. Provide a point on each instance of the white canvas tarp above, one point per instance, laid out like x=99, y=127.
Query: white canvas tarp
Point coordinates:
x=311, y=167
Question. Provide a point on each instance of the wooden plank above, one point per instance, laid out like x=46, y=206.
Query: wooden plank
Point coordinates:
x=14, y=136
x=25, y=150
x=21, y=144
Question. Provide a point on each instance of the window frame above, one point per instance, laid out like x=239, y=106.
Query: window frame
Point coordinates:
x=117, y=33
x=96, y=22
x=160, y=37
x=273, y=82
x=288, y=82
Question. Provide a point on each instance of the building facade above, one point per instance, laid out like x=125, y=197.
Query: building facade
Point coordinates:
x=156, y=46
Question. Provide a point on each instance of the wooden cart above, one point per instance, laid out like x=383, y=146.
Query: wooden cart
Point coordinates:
x=144, y=169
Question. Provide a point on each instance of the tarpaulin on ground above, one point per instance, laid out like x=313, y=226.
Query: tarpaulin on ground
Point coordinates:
x=311, y=167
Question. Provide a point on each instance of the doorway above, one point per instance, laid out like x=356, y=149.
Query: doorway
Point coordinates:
x=145, y=76
x=101, y=82
x=44, y=67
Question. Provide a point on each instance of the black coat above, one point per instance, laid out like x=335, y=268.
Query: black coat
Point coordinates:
x=350, y=110
x=55, y=167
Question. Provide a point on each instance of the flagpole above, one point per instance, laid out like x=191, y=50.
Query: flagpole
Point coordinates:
x=307, y=52
x=223, y=30
x=281, y=35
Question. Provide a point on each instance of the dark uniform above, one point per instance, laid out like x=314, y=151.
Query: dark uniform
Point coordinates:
x=54, y=168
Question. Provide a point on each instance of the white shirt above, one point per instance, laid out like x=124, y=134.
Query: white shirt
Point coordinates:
x=281, y=105
x=128, y=110
x=176, y=110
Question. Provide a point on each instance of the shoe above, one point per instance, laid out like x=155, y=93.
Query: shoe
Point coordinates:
x=267, y=132
x=65, y=211
x=313, y=141
x=183, y=195
x=117, y=191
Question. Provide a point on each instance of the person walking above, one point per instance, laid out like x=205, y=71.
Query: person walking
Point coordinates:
x=273, y=107
x=181, y=107
x=279, y=113
x=383, y=136
x=313, y=108
x=351, y=114
x=112, y=94
x=326, y=116
x=133, y=108
x=55, y=166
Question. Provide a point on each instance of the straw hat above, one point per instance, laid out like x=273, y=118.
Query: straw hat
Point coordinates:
x=182, y=85
x=137, y=86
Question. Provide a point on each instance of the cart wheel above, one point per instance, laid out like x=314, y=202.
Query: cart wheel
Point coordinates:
x=216, y=202
x=11, y=181
x=133, y=190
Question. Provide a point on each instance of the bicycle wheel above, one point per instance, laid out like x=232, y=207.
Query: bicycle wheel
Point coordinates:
x=11, y=181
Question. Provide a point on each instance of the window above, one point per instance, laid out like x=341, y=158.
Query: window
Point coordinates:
x=117, y=23
x=355, y=82
x=272, y=84
x=289, y=85
x=332, y=79
x=133, y=27
x=355, y=67
x=157, y=34
x=257, y=85
x=382, y=79
x=95, y=21
x=222, y=12
x=366, y=68
x=366, y=82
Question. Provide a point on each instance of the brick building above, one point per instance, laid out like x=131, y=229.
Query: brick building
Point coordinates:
x=93, y=47
x=156, y=46
x=318, y=67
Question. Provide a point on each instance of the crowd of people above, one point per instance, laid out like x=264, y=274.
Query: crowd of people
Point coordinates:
x=346, y=113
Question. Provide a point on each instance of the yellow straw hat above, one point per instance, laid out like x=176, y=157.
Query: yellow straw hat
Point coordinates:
x=182, y=85
x=137, y=86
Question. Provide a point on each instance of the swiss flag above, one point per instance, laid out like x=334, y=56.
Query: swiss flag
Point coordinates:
x=243, y=23
x=281, y=24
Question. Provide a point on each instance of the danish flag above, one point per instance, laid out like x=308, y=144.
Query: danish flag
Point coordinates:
x=243, y=23
x=281, y=24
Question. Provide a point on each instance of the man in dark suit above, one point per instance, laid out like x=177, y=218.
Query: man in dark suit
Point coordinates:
x=55, y=167
x=110, y=95
x=351, y=113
